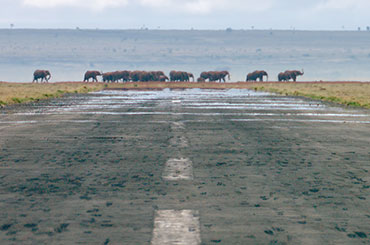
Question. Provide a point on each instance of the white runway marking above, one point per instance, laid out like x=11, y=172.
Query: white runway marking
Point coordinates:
x=179, y=141
x=178, y=126
x=178, y=169
x=180, y=227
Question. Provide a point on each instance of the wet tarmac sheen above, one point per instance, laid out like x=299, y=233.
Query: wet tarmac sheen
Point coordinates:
x=184, y=167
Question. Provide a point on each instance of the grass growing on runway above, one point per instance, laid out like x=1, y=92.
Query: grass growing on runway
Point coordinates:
x=351, y=94
x=14, y=93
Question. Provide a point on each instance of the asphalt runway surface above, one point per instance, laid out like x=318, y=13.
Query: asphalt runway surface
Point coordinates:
x=184, y=167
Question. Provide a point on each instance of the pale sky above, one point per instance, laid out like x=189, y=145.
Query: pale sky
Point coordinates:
x=186, y=14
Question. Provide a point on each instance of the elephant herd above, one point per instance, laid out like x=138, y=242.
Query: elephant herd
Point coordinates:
x=285, y=76
x=155, y=76
x=175, y=76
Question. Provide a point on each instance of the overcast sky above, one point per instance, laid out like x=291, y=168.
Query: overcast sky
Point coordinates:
x=186, y=14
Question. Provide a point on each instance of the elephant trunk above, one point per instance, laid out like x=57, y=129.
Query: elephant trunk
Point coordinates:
x=267, y=78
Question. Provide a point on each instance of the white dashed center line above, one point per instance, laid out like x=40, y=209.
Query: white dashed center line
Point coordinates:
x=178, y=169
x=178, y=126
x=180, y=227
x=179, y=141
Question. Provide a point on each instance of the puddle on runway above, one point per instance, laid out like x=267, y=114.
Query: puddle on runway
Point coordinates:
x=297, y=120
x=238, y=105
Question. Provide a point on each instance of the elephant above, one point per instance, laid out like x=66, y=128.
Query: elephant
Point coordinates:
x=145, y=76
x=121, y=75
x=201, y=80
x=108, y=77
x=163, y=78
x=180, y=76
x=135, y=76
x=148, y=76
x=282, y=77
x=223, y=75
x=175, y=76
x=254, y=76
x=43, y=74
x=190, y=75
x=287, y=75
x=213, y=76
x=205, y=75
x=93, y=75
x=156, y=75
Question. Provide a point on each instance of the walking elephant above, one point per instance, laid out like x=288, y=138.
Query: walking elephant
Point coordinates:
x=180, y=76
x=93, y=75
x=41, y=74
x=109, y=77
x=122, y=75
x=254, y=76
x=287, y=75
x=213, y=76
x=163, y=78
x=190, y=75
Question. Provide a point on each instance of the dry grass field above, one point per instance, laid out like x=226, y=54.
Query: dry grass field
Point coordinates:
x=14, y=93
x=347, y=93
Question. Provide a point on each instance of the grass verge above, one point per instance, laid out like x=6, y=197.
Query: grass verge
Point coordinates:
x=15, y=93
x=350, y=94
x=346, y=93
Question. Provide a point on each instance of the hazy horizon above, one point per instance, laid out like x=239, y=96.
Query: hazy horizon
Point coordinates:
x=69, y=53
x=174, y=29
x=323, y=15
